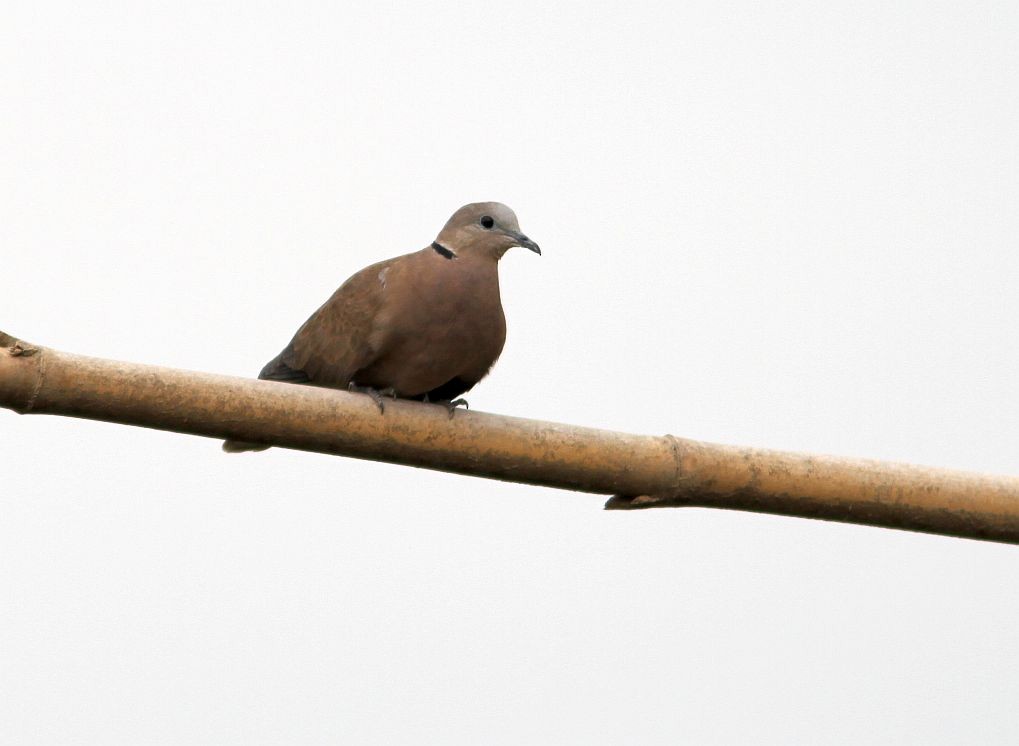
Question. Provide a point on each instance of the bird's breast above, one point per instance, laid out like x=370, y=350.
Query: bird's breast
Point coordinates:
x=437, y=326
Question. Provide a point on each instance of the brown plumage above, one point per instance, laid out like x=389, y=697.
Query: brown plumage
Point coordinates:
x=427, y=325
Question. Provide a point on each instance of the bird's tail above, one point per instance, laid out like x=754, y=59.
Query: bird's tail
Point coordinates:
x=240, y=446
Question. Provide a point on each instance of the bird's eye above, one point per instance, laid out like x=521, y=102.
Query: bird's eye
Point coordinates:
x=487, y=222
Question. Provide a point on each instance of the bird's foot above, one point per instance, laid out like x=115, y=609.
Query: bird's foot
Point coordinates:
x=452, y=405
x=376, y=396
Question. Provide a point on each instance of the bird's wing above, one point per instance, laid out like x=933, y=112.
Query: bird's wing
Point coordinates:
x=278, y=369
x=339, y=338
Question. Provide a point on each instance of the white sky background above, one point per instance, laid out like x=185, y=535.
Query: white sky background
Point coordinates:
x=789, y=226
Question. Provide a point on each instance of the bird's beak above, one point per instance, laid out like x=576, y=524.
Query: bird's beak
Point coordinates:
x=525, y=242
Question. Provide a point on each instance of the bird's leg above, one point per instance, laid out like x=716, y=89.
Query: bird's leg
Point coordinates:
x=375, y=395
x=388, y=392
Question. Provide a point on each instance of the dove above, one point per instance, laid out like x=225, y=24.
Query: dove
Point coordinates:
x=426, y=326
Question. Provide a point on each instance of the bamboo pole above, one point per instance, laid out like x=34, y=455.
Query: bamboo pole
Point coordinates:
x=641, y=471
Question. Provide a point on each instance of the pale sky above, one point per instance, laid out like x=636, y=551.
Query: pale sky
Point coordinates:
x=785, y=225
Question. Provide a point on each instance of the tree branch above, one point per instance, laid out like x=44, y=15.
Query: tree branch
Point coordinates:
x=642, y=471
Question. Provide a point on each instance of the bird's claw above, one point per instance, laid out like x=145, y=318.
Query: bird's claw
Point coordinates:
x=376, y=396
x=452, y=405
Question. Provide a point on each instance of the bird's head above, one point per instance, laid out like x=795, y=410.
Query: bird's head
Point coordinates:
x=487, y=229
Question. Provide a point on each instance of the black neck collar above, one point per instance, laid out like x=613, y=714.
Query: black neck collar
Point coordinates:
x=442, y=250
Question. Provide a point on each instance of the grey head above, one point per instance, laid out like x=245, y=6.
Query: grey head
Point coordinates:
x=486, y=229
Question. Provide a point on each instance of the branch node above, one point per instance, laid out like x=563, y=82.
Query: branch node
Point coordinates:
x=17, y=347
